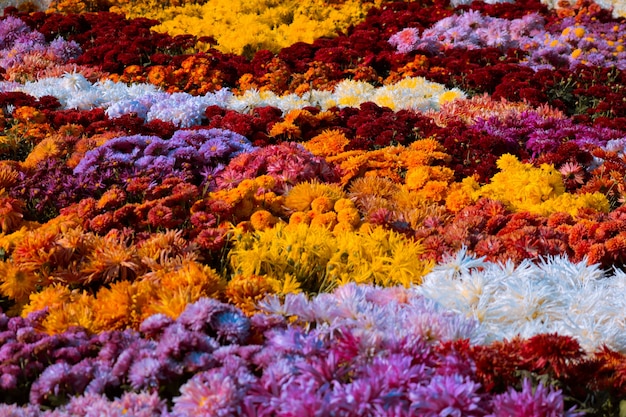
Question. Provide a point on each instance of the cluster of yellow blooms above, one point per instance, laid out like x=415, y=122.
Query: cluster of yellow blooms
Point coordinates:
x=523, y=187
x=268, y=24
x=303, y=257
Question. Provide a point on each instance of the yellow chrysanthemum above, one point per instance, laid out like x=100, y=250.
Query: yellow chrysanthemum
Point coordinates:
x=349, y=215
x=318, y=259
x=300, y=196
x=17, y=282
x=269, y=24
x=523, y=187
x=245, y=291
x=172, y=302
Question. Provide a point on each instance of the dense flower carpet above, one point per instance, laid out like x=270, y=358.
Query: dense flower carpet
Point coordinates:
x=312, y=208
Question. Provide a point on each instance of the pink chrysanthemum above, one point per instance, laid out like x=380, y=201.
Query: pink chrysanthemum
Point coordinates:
x=405, y=40
x=207, y=394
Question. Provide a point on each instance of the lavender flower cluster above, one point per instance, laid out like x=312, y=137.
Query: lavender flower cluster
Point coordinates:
x=471, y=30
x=588, y=42
x=340, y=354
x=18, y=40
x=197, y=153
x=567, y=44
x=48, y=370
x=541, y=135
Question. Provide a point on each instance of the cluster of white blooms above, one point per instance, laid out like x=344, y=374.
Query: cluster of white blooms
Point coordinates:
x=74, y=91
x=552, y=296
x=40, y=5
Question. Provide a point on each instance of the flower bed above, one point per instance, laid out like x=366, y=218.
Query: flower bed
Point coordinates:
x=344, y=208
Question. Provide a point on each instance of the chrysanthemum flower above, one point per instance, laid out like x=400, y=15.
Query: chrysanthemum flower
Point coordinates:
x=300, y=196
x=533, y=402
x=245, y=291
x=16, y=282
x=208, y=393
x=262, y=219
x=112, y=259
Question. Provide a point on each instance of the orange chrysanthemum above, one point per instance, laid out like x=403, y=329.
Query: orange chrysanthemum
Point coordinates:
x=262, y=219
x=112, y=306
x=8, y=175
x=327, y=143
x=17, y=282
x=50, y=147
x=78, y=311
x=112, y=198
x=112, y=260
x=53, y=296
x=245, y=291
x=11, y=210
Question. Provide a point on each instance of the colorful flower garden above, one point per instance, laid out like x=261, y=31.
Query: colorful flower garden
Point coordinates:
x=312, y=208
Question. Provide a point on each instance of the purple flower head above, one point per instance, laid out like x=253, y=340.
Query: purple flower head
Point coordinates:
x=9, y=349
x=153, y=326
x=450, y=395
x=212, y=393
x=102, y=379
x=10, y=28
x=231, y=326
x=8, y=381
x=146, y=373
x=122, y=151
x=52, y=381
x=540, y=401
x=14, y=410
x=141, y=404
x=137, y=350
x=64, y=50
x=28, y=334
x=214, y=148
x=197, y=316
x=87, y=405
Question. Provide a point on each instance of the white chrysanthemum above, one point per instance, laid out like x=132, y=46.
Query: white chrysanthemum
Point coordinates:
x=349, y=93
x=291, y=102
x=182, y=109
x=321, y=98
x=554, y=295
x=250, y=99
x=74, y=81
x=139, y=107
x=84, y=99
x=113, y=92
x=414, y=93
x=453, y=266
